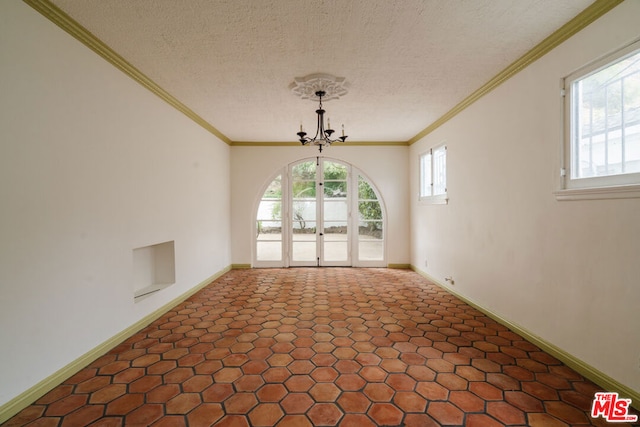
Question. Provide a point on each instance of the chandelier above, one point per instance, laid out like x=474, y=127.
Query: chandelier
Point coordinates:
x=322, y=136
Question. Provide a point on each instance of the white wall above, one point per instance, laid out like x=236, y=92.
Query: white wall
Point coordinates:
x=253, y=167
x=92, y=165
x=567, y=271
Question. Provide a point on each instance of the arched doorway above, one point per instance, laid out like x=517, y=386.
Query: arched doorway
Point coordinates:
x=319, y=212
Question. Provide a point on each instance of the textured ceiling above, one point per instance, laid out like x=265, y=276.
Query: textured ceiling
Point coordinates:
x=406, y=62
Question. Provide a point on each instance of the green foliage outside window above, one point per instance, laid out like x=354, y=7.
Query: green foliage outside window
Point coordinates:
x=369, y=209
x=335, y=185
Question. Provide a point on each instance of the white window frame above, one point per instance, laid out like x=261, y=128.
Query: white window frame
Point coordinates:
x=599, y=187
x=426, y=177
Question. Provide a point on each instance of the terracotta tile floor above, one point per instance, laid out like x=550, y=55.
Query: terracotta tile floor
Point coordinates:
x=321, y=347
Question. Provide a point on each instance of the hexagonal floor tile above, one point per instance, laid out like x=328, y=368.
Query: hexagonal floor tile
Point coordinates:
x=312, y=346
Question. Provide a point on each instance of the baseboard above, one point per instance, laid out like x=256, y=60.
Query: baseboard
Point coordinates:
x=18, y=403
x=584, y=369
x=400, y=266
x=15, y=405
x=240, y=266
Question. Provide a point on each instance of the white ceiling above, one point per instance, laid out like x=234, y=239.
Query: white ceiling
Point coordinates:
x=406, y=62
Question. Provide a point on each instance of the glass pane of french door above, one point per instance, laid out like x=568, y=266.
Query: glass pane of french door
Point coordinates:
x=335, y=214
x=304, y=214
x=269, y=223
x=370, y=223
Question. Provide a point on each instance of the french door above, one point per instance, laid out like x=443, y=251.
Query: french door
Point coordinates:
x=320, y=210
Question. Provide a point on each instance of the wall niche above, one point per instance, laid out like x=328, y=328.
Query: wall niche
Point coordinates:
x=154, y=268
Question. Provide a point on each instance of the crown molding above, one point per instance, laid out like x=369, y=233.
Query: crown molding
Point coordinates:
x=375, y=143
x=296, y=143
x=580, y=21
x=64, y=21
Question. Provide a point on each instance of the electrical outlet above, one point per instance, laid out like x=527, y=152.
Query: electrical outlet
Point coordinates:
x=426, y=263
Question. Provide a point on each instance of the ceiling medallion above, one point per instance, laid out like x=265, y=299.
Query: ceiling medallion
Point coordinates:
x=318, y=87
x=307, y=87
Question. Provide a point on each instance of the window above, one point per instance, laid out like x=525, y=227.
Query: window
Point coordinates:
x=602, y=135
x=433, y=175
